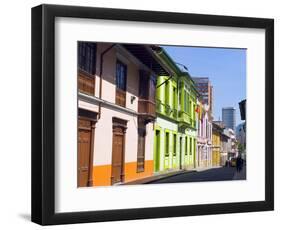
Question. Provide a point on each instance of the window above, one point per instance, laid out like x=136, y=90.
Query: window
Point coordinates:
x=147, y=86
x=121, y=83
x=185, y=101
x=167, y=93
x=180, y=94
x=167, y=144
x=87, y=57
x=175, y=145
x=141, y=146
x=174, y=98
x=143, y=85
x=152, y=88
x=121, y=76
x=193, y=112
x=86, y=67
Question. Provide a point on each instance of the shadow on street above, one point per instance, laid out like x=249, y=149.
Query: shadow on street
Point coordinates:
x=215, y=174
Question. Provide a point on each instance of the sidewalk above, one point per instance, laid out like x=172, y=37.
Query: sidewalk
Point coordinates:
x=200, y=169
x=162, y=175
x=156, y=177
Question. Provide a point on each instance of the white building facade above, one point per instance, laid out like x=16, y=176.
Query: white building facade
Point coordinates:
x=116, y=113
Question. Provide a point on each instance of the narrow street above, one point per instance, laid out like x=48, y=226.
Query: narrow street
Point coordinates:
x=215, y=174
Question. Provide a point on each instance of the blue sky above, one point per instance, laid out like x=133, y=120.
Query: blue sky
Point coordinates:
x=226, y=69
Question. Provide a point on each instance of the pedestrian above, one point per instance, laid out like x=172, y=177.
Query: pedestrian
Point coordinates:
x=239, y=163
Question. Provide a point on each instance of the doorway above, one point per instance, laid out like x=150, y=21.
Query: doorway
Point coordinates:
x=85, y=151
x=180, y=160
x=157, y=151
x=118, y=150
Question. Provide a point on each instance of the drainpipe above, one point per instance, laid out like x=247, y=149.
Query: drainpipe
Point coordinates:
x=101, y=70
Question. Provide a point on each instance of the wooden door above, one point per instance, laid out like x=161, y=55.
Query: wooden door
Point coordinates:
x=84, y=152
x=117, y=155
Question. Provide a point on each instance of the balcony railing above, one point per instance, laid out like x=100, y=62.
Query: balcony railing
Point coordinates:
x=120, y=97
x=174, y=113
x=146, y=107
x=193, y=123
x=184, y=117
x=166, y=110
x=158, y=106
x=86, y=83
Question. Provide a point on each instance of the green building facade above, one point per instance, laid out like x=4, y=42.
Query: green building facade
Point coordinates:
x=175, y=129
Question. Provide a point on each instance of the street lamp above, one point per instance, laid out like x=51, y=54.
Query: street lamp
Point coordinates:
x=182, y=66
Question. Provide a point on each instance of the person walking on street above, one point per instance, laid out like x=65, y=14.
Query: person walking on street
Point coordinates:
x=239, y=163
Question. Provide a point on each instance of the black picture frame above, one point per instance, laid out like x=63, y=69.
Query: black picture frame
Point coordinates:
x=43, y=114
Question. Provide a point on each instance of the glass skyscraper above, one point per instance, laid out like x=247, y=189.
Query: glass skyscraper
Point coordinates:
x=228, y=117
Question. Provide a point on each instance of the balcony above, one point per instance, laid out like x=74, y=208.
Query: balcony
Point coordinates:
x=86, y=83
x=147, y=108
x=184, y=118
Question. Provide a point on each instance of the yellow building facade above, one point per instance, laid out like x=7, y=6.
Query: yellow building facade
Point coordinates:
x=216, y=144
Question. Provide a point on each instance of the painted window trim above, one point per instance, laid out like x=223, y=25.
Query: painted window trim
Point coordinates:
x=174, y=154
x=118, y=61
x=165, y=144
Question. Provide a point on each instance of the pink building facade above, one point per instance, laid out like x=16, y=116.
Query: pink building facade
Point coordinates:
x=204, y=137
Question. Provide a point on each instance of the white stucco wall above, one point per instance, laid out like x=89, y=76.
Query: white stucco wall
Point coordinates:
x=109, y=74
x=103, y=137
x=166, y=124
x=88, y=106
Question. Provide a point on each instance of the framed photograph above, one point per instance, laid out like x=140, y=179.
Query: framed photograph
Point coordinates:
x=143, y=114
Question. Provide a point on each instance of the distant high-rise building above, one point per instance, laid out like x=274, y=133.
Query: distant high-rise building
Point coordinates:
x=228, y=117
x=205, y=89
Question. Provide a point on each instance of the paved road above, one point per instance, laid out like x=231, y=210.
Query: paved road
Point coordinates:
x=215, y=174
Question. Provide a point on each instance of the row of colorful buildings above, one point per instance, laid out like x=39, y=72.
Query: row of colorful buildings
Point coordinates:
x=139, y=114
